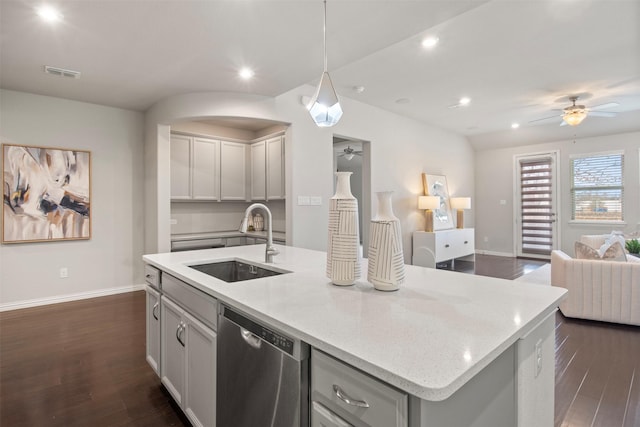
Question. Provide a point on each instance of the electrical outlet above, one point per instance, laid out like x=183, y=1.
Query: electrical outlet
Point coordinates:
x=303, y=201
x=486, y=239
x=538, y=357
x=64, y=273
x=173, y=221
x=316, y=200
x=503, y=202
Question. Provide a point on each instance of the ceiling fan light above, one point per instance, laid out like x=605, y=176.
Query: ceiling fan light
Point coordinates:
x=325, y=107
x=349, y=156
x=575, y=117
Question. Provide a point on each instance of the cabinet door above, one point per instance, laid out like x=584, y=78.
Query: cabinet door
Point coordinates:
x=153, y=329
x=275, y=168
x=172, y=344
x=206, y=169
x=180, y=167
x=258, y=171
x=200, y=393
x=232, y=171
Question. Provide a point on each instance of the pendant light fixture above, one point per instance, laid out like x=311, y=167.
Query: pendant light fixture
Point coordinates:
x=325, y=107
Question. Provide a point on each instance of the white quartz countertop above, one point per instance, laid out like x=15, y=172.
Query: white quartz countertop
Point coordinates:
x=428, y=338
x=277, y=235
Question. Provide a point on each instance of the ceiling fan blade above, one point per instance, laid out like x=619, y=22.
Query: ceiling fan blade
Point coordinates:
x=601, y=114
x=544, y=118
x=604, y=106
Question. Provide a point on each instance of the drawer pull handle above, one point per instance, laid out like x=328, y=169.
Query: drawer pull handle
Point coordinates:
x=348, y=400
x=446, y=246
x=155, y=311
x=148, y=276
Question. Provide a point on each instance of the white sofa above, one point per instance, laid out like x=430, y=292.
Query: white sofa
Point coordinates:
x=598, y=290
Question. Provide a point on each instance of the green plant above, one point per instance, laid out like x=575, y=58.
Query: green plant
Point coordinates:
x=633, y=246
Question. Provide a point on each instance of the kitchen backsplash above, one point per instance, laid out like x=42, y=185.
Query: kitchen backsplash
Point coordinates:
x=202, y=217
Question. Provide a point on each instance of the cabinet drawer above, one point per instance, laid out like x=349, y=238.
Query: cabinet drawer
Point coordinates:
x=330, y=378
x=204, y=307
x=152, y=276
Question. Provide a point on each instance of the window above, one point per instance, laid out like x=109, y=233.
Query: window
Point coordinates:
x=597, y=187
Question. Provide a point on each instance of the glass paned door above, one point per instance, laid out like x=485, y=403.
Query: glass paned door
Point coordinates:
x=536, y=205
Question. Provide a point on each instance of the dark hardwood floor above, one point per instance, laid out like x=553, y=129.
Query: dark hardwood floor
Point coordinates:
x=83, y=364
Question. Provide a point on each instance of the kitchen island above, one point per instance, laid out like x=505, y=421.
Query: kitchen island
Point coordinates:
x=446, y=339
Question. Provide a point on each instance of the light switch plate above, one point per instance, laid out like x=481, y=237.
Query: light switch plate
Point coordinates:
x=316, y=200
x=303, y=201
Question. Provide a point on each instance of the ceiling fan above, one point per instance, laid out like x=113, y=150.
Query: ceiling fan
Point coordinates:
x=349, y=152
x=574, y=114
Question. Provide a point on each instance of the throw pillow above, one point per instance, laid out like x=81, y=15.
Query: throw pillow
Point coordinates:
x=614, y=252
x=614, y=237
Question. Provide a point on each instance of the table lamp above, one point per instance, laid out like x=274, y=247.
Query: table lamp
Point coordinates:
x=460, y=204
x=428, y=203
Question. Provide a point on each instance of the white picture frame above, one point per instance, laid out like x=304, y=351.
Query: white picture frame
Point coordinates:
x=436, y=185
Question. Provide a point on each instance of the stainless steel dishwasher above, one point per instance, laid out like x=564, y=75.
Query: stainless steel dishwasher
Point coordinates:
x=262, y=375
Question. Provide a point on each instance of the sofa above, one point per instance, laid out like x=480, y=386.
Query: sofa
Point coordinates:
x=608, y=291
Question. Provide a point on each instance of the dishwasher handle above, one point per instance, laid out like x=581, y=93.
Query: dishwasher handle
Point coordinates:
x=250, y=339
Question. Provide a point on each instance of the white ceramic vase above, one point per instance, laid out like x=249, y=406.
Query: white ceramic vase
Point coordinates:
x=386, y=260
x=343, y=254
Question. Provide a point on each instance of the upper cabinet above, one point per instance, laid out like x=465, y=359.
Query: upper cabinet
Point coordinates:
x=267, y=169
x=195, y=166
x=213, y=170
x=232, y=171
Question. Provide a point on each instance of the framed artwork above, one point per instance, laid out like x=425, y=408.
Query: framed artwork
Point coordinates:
x=46, y=195
x=436, y=185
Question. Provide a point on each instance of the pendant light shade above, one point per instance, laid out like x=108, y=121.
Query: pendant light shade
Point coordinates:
x=325, y=107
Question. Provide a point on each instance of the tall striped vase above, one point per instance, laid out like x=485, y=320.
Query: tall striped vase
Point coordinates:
x=343, y=254
x=386, y=260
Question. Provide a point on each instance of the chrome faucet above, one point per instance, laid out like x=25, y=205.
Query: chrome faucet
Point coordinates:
x=271, y=250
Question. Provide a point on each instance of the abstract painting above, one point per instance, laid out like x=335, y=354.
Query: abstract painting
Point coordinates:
x=436, y=185
x=46, y=194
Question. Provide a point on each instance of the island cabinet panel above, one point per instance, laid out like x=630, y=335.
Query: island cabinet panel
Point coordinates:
x=188, y=349
x=153, y=329
x=342, y=394
x=172, y=349
x=487, y=399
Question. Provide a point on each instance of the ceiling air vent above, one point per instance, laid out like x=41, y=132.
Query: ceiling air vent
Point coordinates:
x=61, y=72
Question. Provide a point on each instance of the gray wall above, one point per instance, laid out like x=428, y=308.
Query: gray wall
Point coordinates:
x=110, y=261
x=495, y=181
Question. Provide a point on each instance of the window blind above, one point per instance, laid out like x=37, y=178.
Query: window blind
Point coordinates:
x=597, y=192
x=536, y=206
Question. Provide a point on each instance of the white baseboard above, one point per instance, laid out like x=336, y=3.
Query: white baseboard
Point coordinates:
x=507, y=254
x=70, y=297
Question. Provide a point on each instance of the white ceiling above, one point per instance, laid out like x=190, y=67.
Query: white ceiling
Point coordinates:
x=516, y=59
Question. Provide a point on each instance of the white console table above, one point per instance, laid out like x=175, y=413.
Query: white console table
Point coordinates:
x=439, y=246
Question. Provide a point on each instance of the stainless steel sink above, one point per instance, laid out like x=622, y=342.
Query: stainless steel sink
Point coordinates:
x=236, y=270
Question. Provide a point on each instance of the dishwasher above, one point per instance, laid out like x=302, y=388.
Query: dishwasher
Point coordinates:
x=262, y=375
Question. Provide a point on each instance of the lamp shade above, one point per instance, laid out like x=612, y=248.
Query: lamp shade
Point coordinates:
x=428, y=202
x=461, y=202
x=575, y=117
x=324, y=107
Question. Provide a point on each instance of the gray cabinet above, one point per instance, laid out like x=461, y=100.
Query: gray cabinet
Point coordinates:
x=267, y=169
x=341, y=396
x=232, y=171
x=195, y=168
x=153, y=328
x=188, y=349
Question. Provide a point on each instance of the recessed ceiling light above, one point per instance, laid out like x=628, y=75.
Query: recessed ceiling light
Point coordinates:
x=430, y=42
x=49, y=13
x=358, y=89
x=515, y=125
x=246, y=73
x=465, y=101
